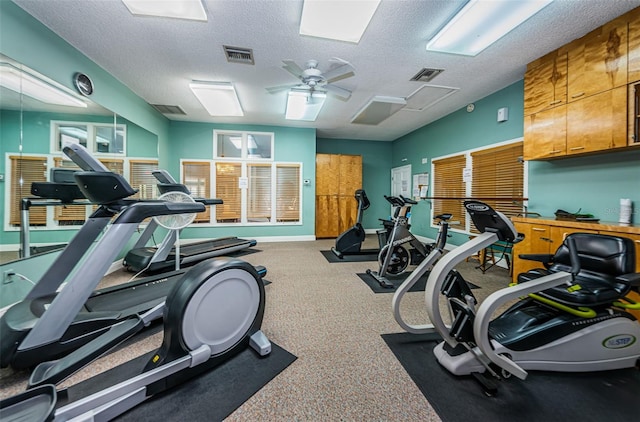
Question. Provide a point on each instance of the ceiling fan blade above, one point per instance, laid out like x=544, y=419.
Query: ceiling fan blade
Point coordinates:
x=340, y=92
x=293, y=68
x=341, y=72
x=279, y=88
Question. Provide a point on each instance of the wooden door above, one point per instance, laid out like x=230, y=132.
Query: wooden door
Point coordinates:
x=337, y=178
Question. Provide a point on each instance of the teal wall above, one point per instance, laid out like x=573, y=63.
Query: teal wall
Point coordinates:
x=593, y=184
x=376, y=172
x=195, y=141
x=457, y=132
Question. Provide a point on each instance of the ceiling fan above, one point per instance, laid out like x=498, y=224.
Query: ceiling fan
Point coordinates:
x=313, y=79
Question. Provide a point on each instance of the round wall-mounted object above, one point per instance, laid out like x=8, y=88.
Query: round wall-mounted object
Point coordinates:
x=83, y=84
x=470, y=108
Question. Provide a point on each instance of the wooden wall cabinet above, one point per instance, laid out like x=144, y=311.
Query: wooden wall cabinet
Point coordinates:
x=633, y=50
x=597, y=62
x=597, y=122
x=545, y=134
x=544, y=236
x=337, y=178
x=545, y=83
x=599, y=110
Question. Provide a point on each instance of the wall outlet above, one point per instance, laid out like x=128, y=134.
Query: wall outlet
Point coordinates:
x=1, y=177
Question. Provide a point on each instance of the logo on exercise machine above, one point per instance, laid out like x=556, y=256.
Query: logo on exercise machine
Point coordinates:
x=619, y=341
x=476, y=206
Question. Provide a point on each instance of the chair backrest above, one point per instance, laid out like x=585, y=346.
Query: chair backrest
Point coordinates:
x=598, y=253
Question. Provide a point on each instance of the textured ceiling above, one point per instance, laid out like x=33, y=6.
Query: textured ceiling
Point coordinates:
x=157, y=57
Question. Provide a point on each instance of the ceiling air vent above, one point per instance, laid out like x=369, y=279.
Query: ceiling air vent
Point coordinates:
x=238, y=54
x=169, y=109
x=426, y=74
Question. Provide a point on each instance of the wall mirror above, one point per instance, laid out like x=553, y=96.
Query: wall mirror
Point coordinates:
x=37, y=116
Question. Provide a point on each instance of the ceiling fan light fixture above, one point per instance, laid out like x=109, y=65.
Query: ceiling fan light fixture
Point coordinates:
x=304, y=105
x=218, y=98
x=179, y=9
x=480, y=23
x=378, y=109
x=24, y=83
x=337, y=20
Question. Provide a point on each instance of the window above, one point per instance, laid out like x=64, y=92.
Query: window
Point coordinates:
x=24, y=171
x=142, y=178
x=228, y=189
x=28, y=168
x=98, y=138
x=195, y=176
x=259, y=193
x=287, y=192
x=499, y=173
x=496, y=178
x=254, y=188
x=448, y=184
x=245, y=145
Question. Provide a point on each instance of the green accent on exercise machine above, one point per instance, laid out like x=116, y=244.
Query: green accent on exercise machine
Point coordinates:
x=580, y=311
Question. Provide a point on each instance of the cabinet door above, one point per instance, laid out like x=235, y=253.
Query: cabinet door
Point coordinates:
x=633, y=55
x=598, y=122
x=327, y=216
x=327, y=174
x=558, y=234
x=636, y=240
x=598, y=61
x=348, y=207
x=350, y=170
x=545, y=83
x=536, y=241
x=545, y=134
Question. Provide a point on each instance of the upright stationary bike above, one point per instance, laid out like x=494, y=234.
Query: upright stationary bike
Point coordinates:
x=394, y=257
x=350, y=241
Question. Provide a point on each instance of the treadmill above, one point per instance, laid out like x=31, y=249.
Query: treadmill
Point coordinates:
x=56, y=318
x=153, y=259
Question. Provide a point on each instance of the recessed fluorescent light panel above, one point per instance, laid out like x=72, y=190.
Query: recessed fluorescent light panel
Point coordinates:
x=218, y=98
x=24, y=83
x=337, y=20
x=180, y=9
x=304, y=105
x=480, y=23
x=378, y=109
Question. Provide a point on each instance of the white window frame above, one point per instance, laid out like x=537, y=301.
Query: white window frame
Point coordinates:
x=92, y=127
x=244, y=135
x=243, y=194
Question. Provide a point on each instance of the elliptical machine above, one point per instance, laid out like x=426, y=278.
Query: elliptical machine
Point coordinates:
x=350, y=241
x=394, y=257
x=544, y=331
x=211, y=314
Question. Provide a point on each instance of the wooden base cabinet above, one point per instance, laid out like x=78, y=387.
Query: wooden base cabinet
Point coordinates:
x=544, y=236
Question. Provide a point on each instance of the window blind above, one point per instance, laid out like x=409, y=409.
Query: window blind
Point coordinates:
x=448, y=182
x=68, y=215
x=27, y=169
x=499, y=173
x=142, y=179
x=288, y=192
x=259, y=193
x=196, y=177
